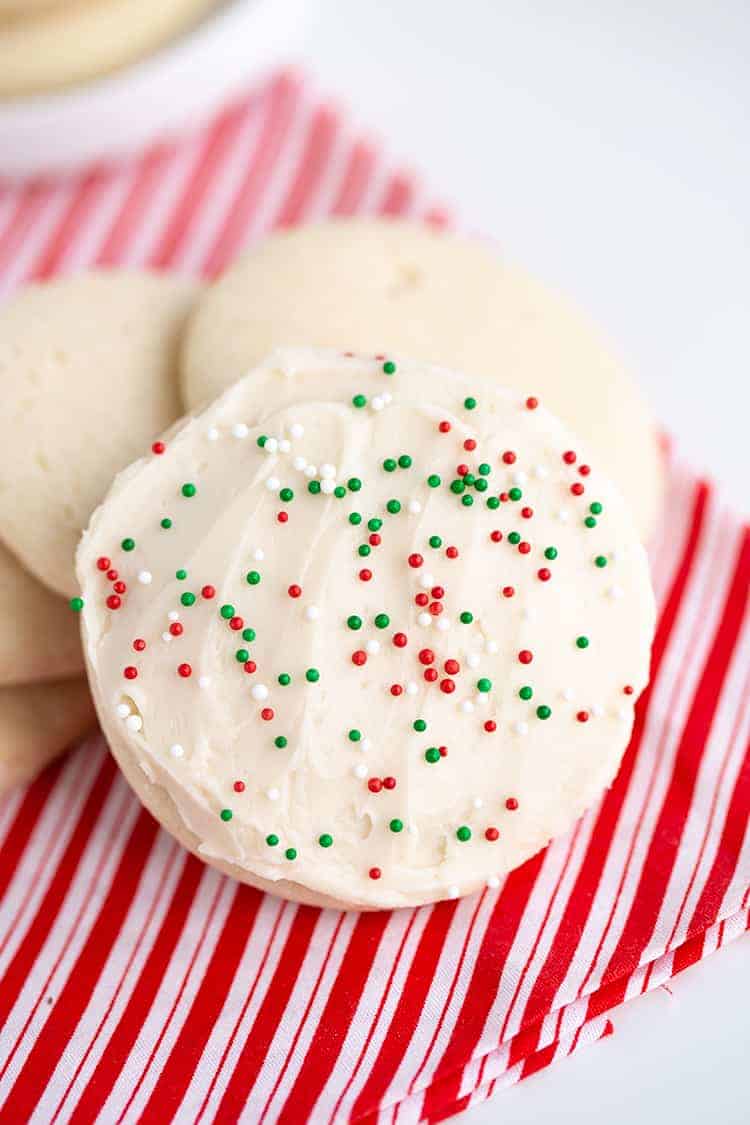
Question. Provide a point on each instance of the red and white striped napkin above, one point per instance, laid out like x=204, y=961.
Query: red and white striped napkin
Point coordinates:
x=138, y=985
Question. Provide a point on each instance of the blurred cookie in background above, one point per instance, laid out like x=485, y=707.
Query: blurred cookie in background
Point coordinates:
x=38, y=722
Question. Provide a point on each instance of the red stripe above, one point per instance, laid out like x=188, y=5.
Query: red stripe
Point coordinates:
x=313, y=163
x=178, y=1070
x=408, y=1010
x=215, y=149
x=665, y=842
x=283, y=101
x=76, y=993
x=25, y=821
x=398, y=197
x=437, y=217
x=90, y=188
x=270, y=1013
x=30, y=206
x=146, y=182
x=356, y=179
x=584, y=891
x=336, y=1019
x=46, y=916
x=134, y=1015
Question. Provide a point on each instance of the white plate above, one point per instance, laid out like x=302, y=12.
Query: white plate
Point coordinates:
x=184, y=82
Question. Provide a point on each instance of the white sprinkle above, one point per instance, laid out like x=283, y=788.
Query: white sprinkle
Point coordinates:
x=597, y=710
x=613, y=556
x=327, y=486
x=424, y=619
x=284, y=445
x=145, y=577
x=271, y=445
x=212, y=433
x=540, y=472
x=173, y=615
x=376, y=402
x=122, y=710
x=259, y=692
x=204, y=681
x=373, y=647
x=623, y=713
x=259, y=554
x=444, y=624
x=272, y=483
x=300, y=463
x=360, y=770
x=176, y=750
x=492, y=646
x=473, y=660
x=521, y=727
x=411, y=688
x=387, y=397
x=426, y=580
x=311, y=471
x=520, y=477
x=493, y=882
x=240, y=430
x=412, y=829
x=273, y=793
x=615, y=592
x=477, y=802
x=134, y=722
x=312, y=613
x=453, y=892
x=166, y=637
x=328, y=471
x=568, y=694
x=414, y=507
x=296, y=429
x=483, y=698
x=467, y=707
x=563, y=515
x=365, y=745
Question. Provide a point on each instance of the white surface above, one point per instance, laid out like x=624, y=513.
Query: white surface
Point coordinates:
x=184, y=82
x=606, y=146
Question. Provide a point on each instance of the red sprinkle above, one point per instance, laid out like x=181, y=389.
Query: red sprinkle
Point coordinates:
x=435, y=608
x=139, y=644
x=577, y=488
x=583, y=716
x=451, y=552
x=359, y=657
x=443, y=751
x=294, y=590
x=584, y=470
x=452, y=667
x=113, y=602
x=503, y=497
x=525, y=656
x=236, y=623
x=496, y=536
x=491, y=834
x=239, y=787
x=130, y=672
x=544, y=574
x=437, y=592
x=490, y=726
x=527, y=513
x=508, y=591
x=208, y=592
x=569, y=457
x=511, y=804
x=103, y=562
x=445, y=427
x=396, y=689
x=628, y=689
x=267, y=714
x=175, y=629
x=532, y=403
x=430, y=675
x=415, y=560
x=158, y=447
x=119, y=587
x=112, y=575
x=400, y=640
x=374, y=784
x=389, y=783
x=375, y=872
x=184, y=670
x=249, y=666
x=524, y=547
x=462, y=470
x=470, y=445
x=365, y=574
x=509, y=457
x=421, y=600
x=447, y=686
x=282, y=517
x=374, y=540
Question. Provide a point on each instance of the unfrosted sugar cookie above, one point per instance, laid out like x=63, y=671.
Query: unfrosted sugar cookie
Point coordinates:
x=38, y=722
x=39, y=636
x=369, y=285
x=383, y=630
x=88, y=379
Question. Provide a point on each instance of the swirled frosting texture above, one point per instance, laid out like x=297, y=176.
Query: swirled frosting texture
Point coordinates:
x=381, y=631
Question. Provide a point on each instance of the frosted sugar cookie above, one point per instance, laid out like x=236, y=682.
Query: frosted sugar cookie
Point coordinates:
x=88, y=378
x=382, y=633
x=38, y=722
x=379, y=284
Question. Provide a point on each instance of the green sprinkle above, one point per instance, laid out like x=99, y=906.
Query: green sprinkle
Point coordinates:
x=248, y=634
x=514, y=538
x=404, y=461
x=285, y=679
x=339, y=492
x=467, y=500
x=389, y=367
x=600, y=561
x=493, y=503
x=325, y=840
x=470, y=403
x=432, y=755
x=484, y=469
x=526, y=693
x=393, y=506
x=313, y=487
x=390, y=465
x=128, y=544
x=419, y=725
x=469, y=479
x=187, y=598
x=457, y=486
x=433, y=480
x=355, y=518
x=515, y=494
x=374, y=524
x=382, y=620
x=543, y=712
x=76, y=604
x=166, y=523
x=582, y=642
x=396, y=825
x=359, y=401
x=286, y=495
x=355, y=735
x=281, y=741
x=252, y=578
x=466, y=618
x=354, y=622
x=363, y=550
x=484, y=685
x=596, y=508
x=226, y=814
x=463, y=833
x=550, y=553
x=354, y=484
x=312, y=675
x=241, y=655
x=189, y=489
x=481, y=485
x=227, y=611
x=262, y=439
x=435, y=541
x=180, y=574
x=590, y=521
x=291, y=853
x=272, y=840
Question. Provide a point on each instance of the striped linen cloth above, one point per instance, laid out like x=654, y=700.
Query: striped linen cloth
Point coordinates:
x=138, y=985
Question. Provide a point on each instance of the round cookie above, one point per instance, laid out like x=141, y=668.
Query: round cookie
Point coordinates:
x=373, y=285
x=38, y=722
x=39, y=636
x=88, y=378
x=383, y=631
x=69, y=43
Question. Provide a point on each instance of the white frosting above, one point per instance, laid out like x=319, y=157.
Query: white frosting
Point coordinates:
x=204, y=737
